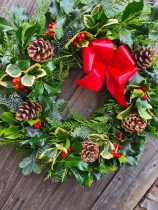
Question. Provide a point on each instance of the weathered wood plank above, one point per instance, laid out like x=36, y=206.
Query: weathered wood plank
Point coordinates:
x=127, y=187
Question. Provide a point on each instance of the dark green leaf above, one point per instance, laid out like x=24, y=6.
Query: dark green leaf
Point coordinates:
x=5, y=25
x=58, y=30
x=132, y=10
x=38, y=90
x=8, y=117
x=136, y=79
x=66, y=5
x=23, y=64
x=77, y=162
x=36, y=141
x=48, y=66
x=46, y=102
x=19, y=15
x=89, y=21
x=77, y=175
x=52, y=88
x=127, y=39
x=77, y=147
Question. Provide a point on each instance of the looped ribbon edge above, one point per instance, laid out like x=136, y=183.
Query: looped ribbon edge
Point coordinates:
x=101, y=60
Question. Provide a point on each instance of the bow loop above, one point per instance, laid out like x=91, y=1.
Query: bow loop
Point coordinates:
x=101, y=60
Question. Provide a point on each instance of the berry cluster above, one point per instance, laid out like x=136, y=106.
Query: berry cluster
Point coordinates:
x=79, y=38
x=50, y=31
x=17, y=84
x=120, y=136
x=37, y=125
x=115, y=151
x=144, y=97
x=63, y=154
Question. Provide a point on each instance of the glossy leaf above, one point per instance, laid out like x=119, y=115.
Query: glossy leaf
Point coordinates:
x=22, y=64
x=19, y=15
x=46, y=102
x=28, y=80
x=132, y=10
x=58, y=30
x=8, y=117
x=52, y=88
x=49, y=66
x=61, y=133
x=13, y=71
x=11, y=133
x=89, y=21
x=76, y=147
x=77, y=162
x=6, y=81
x=5, y=25
x=124, y=113
x=66, y=5
x=38, y=90
x=46, y=155
x=38, y=140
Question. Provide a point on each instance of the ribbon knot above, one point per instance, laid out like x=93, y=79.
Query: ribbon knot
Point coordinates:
x=101, y=60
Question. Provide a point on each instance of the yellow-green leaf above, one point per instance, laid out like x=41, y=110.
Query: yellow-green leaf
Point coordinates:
x=61, y=148
x=124, y=113
x=28, y=80
x=136, y=94
x=89, y=21
x=13, y=71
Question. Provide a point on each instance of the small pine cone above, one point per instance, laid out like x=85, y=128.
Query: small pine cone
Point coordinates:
x=27, y=110
x=144, y=58
x=134, y=122
x=90, y=151
x=40, y=50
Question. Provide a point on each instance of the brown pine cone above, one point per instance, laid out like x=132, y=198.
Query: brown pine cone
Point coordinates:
x=27, y=110
x=40, y=50
x=90, y=151
x=133, y=122
x=144, y=58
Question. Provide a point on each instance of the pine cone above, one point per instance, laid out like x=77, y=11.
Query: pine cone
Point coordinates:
x=90, y=151
x=134, y=122
x=144, y=58
x=40, y=50
x=27, y=111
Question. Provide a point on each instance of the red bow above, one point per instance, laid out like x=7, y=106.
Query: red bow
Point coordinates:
x=101, y=60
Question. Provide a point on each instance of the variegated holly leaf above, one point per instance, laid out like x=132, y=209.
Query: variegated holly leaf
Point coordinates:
x=6, y=81
x=61, y=133
x=27, y=80
x=89, y=21
x=36, y=71
x=106, y=152
x=46, y=154
x=13, y=71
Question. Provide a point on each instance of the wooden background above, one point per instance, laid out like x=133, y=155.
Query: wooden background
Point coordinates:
x=119, y=190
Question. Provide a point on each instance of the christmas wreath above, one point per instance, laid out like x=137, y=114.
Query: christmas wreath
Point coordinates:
x=112, y=42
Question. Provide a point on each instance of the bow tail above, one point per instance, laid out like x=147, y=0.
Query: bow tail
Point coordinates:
x=116, y=90
x=93, y=80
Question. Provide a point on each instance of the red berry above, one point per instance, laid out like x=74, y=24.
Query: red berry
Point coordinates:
x=35, y=126
x=120, y=146
x=144, y=97
x=52, y=35
x=69, y=149
x=21, y=87
x=14, y=81
x=82, y=35
x=80, y=40
x=115, y=145
x=143, y=89
x=119, y=135
x=114, y=151
x=25, y=90
x=74, y=43
x=63, y=155
x=50, y=26
x=16, y=87
x=52, y=23
x=18, y=79
x=78, y=36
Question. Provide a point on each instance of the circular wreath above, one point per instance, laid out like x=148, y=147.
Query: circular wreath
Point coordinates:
x=112, y=42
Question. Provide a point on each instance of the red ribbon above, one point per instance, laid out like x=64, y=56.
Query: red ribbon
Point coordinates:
x=101, y=60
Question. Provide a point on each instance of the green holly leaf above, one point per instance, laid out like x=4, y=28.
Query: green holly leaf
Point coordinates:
x=46, y=102
x=49, y=66
x=126, y=38
x=62, y=134
x=19, y=15
x=132, y=10
x=6, y=81
x=52, y=88
x=108, y=23
x=58, y=30
x=37, y=90
x=103, y=169
x=66, y=5
x=36, y=71
x=8, y=117
x=23, y=64
x=37, y=141
x=76, y=147
x=76, y=162
x=124, y=113
x=5, y=25
x=11, y=133
x=46, y=154
x=122, y=159
x=136, y=93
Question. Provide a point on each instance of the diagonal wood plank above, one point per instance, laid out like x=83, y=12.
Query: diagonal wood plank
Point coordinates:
x=127, y=187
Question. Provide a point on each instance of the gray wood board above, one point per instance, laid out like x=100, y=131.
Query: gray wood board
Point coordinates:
x=126, y=187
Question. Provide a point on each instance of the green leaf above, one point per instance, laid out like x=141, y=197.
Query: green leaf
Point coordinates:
x=108, y=23
x=95, y=11
x=136, y=79
x=132, y=10
x=37, y=141
x=27, y=80
x=76, y=147
x=8, y=117
x=13, y=71
x=49, y=66
x=12, y=132
x=153, y=98
x=153, y=15
x=52, y=88
x=142, y=106
x=46, y=155
x=77, y=162
x=58, y=30
x=62, y=134
x=77, y=175
x=32, y=122
x=89, y=21
x=66, y=5
x=46, y=102
x=61, y=148
x=19, y=15
x=29, y=30
x=23, y=64
x=103, y=169
x=122, y=159
x=124, y=113
x=37, y=90
x=137, y=93
x=6, y=59
x=6, y=81
x=126, y=39
x=5, y=25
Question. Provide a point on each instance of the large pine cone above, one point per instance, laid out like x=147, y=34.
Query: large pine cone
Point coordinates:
x=90, y=151
x=144, y=58
x=40, y=50
x=134, y=122
x=27, y=110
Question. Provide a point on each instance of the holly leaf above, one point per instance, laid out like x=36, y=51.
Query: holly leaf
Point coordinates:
x=23, y=64
x=77, y=162
x=66, y=5
x=37, y=90
x=5, y=25
x=62, y=134
x=49, y=66
x=124, y=113
x=89, y=21
x=19, y=15
x=52, y=88
x=8, y=117
x=28, y=80
x=58, y=30
x=46, y=154
x=13, y=71
x=46, y=102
